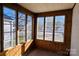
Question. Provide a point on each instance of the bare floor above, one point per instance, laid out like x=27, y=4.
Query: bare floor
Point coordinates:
x=41, y=52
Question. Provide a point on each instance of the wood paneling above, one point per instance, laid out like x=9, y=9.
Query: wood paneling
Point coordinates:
x=18, y=50
x=48, y=45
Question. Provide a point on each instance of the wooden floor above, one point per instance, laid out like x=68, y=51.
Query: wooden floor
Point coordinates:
x=41, y=52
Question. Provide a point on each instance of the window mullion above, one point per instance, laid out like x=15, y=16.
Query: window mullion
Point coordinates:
x=26, y=29
x=2, y=28
x=11, y=34
x=17, y=40
x=53, y=28
x=44, y=30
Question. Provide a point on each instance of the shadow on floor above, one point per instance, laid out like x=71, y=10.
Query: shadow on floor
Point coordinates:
x=41, y=52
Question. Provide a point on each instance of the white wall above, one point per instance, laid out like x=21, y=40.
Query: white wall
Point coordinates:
x=75, y=32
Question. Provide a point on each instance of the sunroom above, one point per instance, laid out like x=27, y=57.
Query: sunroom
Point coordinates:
x=38, y=29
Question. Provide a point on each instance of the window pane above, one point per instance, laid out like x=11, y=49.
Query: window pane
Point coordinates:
x=49, y=28
x=21, y=27
x=7, y=36
x=29, y=28
x=9, y=16
x=7, y=42
x=59, y=28
x=21, y=37
x=7, y=27
x=40, y=27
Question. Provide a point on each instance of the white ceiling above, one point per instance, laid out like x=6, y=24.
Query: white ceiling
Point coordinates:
x=45, y=7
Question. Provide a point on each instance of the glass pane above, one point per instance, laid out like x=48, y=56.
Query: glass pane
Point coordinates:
x=29, y=28
x=9, y=16
x=14, y=37
x=7, y=44
x=40, y=27
x=59, y=28
x=49, y=28
x=7, y=28
x=7, y=36
x=21, y=27
x=21, y=37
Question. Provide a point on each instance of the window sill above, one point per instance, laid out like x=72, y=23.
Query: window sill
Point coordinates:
x=16, y=51
x=8, y=48
x=27, y=44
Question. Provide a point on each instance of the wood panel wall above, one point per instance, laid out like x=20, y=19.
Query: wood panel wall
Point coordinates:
x=53, y=47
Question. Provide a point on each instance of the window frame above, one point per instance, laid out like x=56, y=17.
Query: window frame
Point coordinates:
x=24, y=26
x=43, y=28
x=31, y=26
x=52, y=27
x=53, y=40
x=8, y=24
x=64, y=29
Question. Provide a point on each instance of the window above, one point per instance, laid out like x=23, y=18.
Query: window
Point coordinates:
x=29, y=28
x=9, y=18
x=21, y=27
x=40, y=27
x=49, y=28
x=59, y=28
